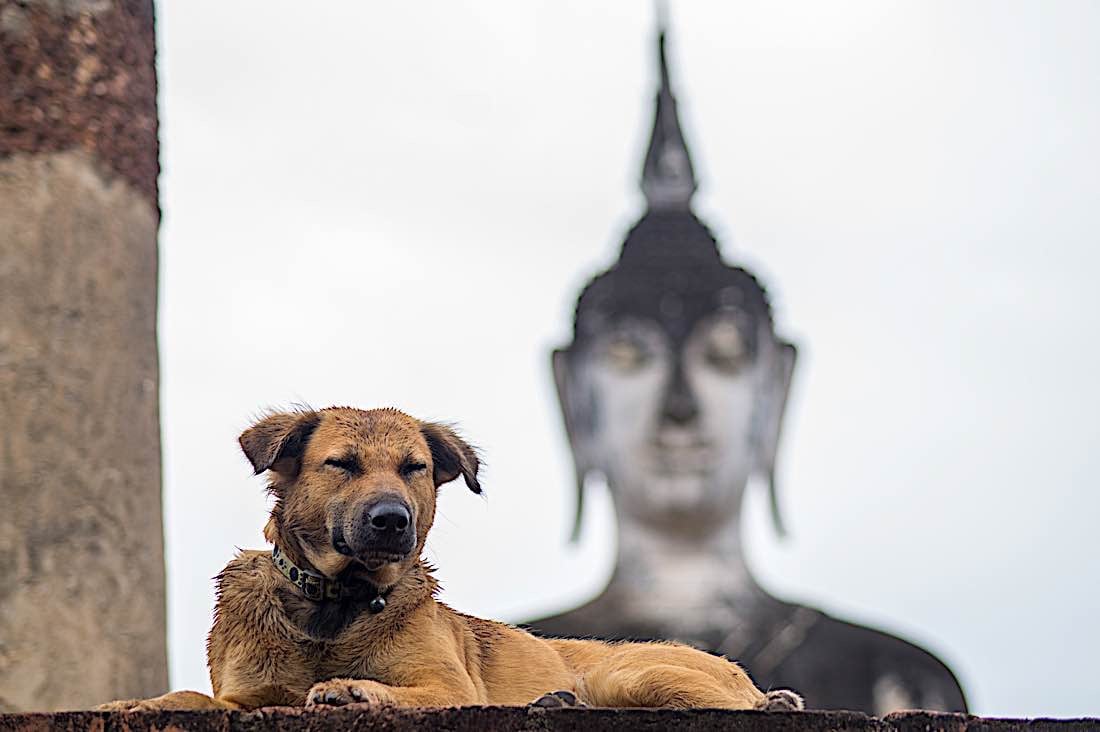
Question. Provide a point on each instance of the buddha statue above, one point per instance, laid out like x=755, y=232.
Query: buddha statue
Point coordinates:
x=674, y=390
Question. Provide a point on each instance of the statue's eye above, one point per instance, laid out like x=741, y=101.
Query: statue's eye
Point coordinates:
x=348, y=465
x=625, y=354
x=724, y=348
x=412, y=467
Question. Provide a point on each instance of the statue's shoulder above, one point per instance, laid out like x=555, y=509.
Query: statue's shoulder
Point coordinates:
x=876, y=645
x=887, y=664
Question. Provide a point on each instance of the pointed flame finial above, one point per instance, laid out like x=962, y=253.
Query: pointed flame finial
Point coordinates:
x=668, y=178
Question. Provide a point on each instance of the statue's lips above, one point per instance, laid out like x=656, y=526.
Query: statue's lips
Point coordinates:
x=680, y=460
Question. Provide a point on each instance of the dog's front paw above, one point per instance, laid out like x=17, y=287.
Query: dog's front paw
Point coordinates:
x=781, y=700
x=557, y=700
x=338, y=692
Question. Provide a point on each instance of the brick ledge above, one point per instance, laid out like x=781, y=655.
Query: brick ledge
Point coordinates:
x=507, y=719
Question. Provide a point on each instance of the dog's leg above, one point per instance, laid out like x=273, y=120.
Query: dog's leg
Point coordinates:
x=622, y=685
x=174, y=700
x=660, y=675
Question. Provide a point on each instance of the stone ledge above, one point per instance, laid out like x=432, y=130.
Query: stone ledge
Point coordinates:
x=507, y=719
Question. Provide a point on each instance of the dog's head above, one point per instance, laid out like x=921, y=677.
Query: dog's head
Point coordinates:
x=355, y=490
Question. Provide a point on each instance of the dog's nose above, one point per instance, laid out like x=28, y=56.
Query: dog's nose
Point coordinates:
x=389, y=516
x=385, y=525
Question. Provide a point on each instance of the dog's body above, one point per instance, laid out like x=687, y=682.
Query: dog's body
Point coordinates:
x=355, y=498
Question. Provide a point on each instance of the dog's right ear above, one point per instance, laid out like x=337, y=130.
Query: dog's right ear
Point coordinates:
x=277, y=441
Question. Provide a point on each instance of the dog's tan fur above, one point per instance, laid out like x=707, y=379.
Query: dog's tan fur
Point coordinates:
x=269, y=645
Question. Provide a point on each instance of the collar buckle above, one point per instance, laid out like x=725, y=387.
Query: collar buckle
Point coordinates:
x=313, y=585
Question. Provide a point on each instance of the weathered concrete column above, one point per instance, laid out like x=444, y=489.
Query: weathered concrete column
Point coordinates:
x=82, y=604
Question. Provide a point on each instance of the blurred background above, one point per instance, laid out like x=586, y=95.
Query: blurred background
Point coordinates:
x=397, y=204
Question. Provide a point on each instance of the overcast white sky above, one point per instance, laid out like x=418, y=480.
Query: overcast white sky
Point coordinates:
x=396, y=204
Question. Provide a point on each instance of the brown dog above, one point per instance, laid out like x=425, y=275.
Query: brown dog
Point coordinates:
x=344, y=610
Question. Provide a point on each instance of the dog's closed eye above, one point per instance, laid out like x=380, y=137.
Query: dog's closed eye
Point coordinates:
x=410, y=467
x=347, y=464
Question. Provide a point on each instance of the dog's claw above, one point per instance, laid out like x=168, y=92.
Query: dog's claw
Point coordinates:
x=782, y=700
x=557, y=700
x=338, y=692
x=568, y=697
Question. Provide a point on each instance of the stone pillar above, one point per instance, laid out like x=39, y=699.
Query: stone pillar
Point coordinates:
x=82, y=603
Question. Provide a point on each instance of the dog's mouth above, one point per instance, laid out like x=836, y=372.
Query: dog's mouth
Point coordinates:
x=375, y=561
x=373, y=555
x=372, y=559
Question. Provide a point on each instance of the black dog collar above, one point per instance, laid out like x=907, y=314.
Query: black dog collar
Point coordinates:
x=317, y=587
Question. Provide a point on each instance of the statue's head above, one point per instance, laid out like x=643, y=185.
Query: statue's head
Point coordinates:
x=675, y=383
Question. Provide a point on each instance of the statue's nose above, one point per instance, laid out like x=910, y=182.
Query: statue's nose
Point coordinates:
x=680, y=405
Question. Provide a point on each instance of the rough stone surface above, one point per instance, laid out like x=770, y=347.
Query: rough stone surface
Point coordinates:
x=82, y=603
x=507, y=719
x=79, y=75
x=82, y=615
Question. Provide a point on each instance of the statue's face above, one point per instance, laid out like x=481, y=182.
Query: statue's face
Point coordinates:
x=674, y=419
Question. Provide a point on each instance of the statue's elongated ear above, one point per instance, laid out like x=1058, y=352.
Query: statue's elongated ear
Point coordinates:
x=451, y=455
x=577, y=415
x=278, y=440
x=774, y=404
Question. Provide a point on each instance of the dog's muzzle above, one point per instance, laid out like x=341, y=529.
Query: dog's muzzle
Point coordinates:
x=376, y=532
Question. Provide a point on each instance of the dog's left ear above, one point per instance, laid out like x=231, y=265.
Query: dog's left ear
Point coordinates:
x=451, y=456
